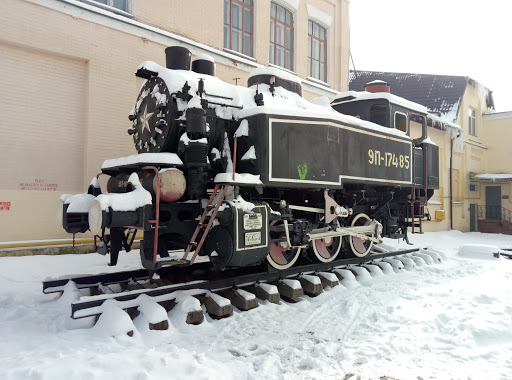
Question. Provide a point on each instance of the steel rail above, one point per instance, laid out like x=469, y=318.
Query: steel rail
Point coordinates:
x=89, y=281
x=78, y=308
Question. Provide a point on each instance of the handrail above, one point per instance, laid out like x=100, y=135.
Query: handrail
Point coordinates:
x=486, y=212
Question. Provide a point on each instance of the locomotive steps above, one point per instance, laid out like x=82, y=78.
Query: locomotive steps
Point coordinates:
x=157, y=305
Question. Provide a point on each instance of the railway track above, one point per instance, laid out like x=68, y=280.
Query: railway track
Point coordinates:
x=137, y=292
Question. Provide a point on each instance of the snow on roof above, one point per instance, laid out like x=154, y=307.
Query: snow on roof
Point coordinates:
x=281, y=102
x=364, y=95
x=94, y=183
x=276, y=72
x=143, y=158
x=240, y=97
x=428, y=140
x=130, y=201
x=321, y=101
x=497, y=115
x=321, y=113
x=446, y=121
x=441, y=94
x=492, y=178
x=79, y=203
x=376, y=81
x=203, y=57
x=240, y=178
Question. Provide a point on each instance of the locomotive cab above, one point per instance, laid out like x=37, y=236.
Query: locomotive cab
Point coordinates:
x=379, y=106
x=385, y=110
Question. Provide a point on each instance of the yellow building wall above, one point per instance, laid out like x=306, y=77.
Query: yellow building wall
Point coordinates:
x=474, y=156
x=497, y=136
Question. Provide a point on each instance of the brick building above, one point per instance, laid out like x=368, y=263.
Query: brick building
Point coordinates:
x=68, y=80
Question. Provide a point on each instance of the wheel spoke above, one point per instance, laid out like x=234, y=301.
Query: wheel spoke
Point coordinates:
x=282, y=258
x=326, y=250
x=360, y=247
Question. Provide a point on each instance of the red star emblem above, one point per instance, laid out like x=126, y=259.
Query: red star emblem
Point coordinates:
x=144, y=119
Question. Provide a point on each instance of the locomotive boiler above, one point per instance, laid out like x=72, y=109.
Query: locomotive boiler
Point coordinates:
x=244, y=175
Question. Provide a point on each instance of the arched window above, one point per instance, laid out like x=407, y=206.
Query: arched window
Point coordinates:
x=281, y=36
x=317, y=51
x=238, y=25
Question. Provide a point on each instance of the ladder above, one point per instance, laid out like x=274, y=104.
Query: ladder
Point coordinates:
x=416, y=222
x=213, y=204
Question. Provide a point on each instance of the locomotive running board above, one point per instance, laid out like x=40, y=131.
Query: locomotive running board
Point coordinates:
x=92, y=306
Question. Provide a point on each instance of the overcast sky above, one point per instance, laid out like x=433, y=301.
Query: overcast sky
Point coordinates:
x=452, y=37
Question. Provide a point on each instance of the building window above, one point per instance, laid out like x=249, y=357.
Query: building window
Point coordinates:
x=281, y=37
x=472, y=122
x=238, y=25
x=122, y=5
x=317, y=51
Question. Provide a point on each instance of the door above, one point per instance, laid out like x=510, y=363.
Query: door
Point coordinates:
x=493, y=202
x=472, y=217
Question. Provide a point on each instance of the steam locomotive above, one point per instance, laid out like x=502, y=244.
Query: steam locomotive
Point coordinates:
x=248, y=175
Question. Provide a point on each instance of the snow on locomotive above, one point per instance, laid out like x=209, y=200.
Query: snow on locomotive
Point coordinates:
x=244, y=175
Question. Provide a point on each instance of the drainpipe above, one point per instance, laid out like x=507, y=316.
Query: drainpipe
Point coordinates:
x=451, y=184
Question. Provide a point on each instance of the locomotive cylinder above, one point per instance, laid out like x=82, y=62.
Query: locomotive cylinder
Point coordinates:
x=196, y=123
x=118, y=183
x=172, y=184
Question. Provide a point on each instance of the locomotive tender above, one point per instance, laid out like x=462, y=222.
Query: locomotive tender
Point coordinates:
x=244, y=175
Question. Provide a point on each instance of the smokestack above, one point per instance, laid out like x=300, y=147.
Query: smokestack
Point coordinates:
x=177, y=58
x=203, y=64
x=377, y=86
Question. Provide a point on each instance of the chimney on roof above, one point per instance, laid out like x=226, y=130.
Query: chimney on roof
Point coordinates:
x=377, y=86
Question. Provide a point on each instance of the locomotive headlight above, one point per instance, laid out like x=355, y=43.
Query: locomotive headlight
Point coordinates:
x=172, y=184
x=95, y=217
x=60, y=212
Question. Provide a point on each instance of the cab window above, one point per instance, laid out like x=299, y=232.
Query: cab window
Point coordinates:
x=401, y=122
x=378, y=114
x=417, y=127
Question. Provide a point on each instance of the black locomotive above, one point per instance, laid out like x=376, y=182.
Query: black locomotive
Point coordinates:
x=243, y=175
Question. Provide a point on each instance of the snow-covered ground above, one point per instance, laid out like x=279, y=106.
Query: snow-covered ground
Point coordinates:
x=442, y=321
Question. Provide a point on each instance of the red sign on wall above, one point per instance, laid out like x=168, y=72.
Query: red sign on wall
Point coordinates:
x=5, y=206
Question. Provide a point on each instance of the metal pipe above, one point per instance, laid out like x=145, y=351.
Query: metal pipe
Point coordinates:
x=234, y=157
x=287, y=233
x=451, y=179
x=451, y=186
x=157, y=216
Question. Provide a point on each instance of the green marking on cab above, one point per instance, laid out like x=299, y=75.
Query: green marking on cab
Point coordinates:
x=303, y=170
